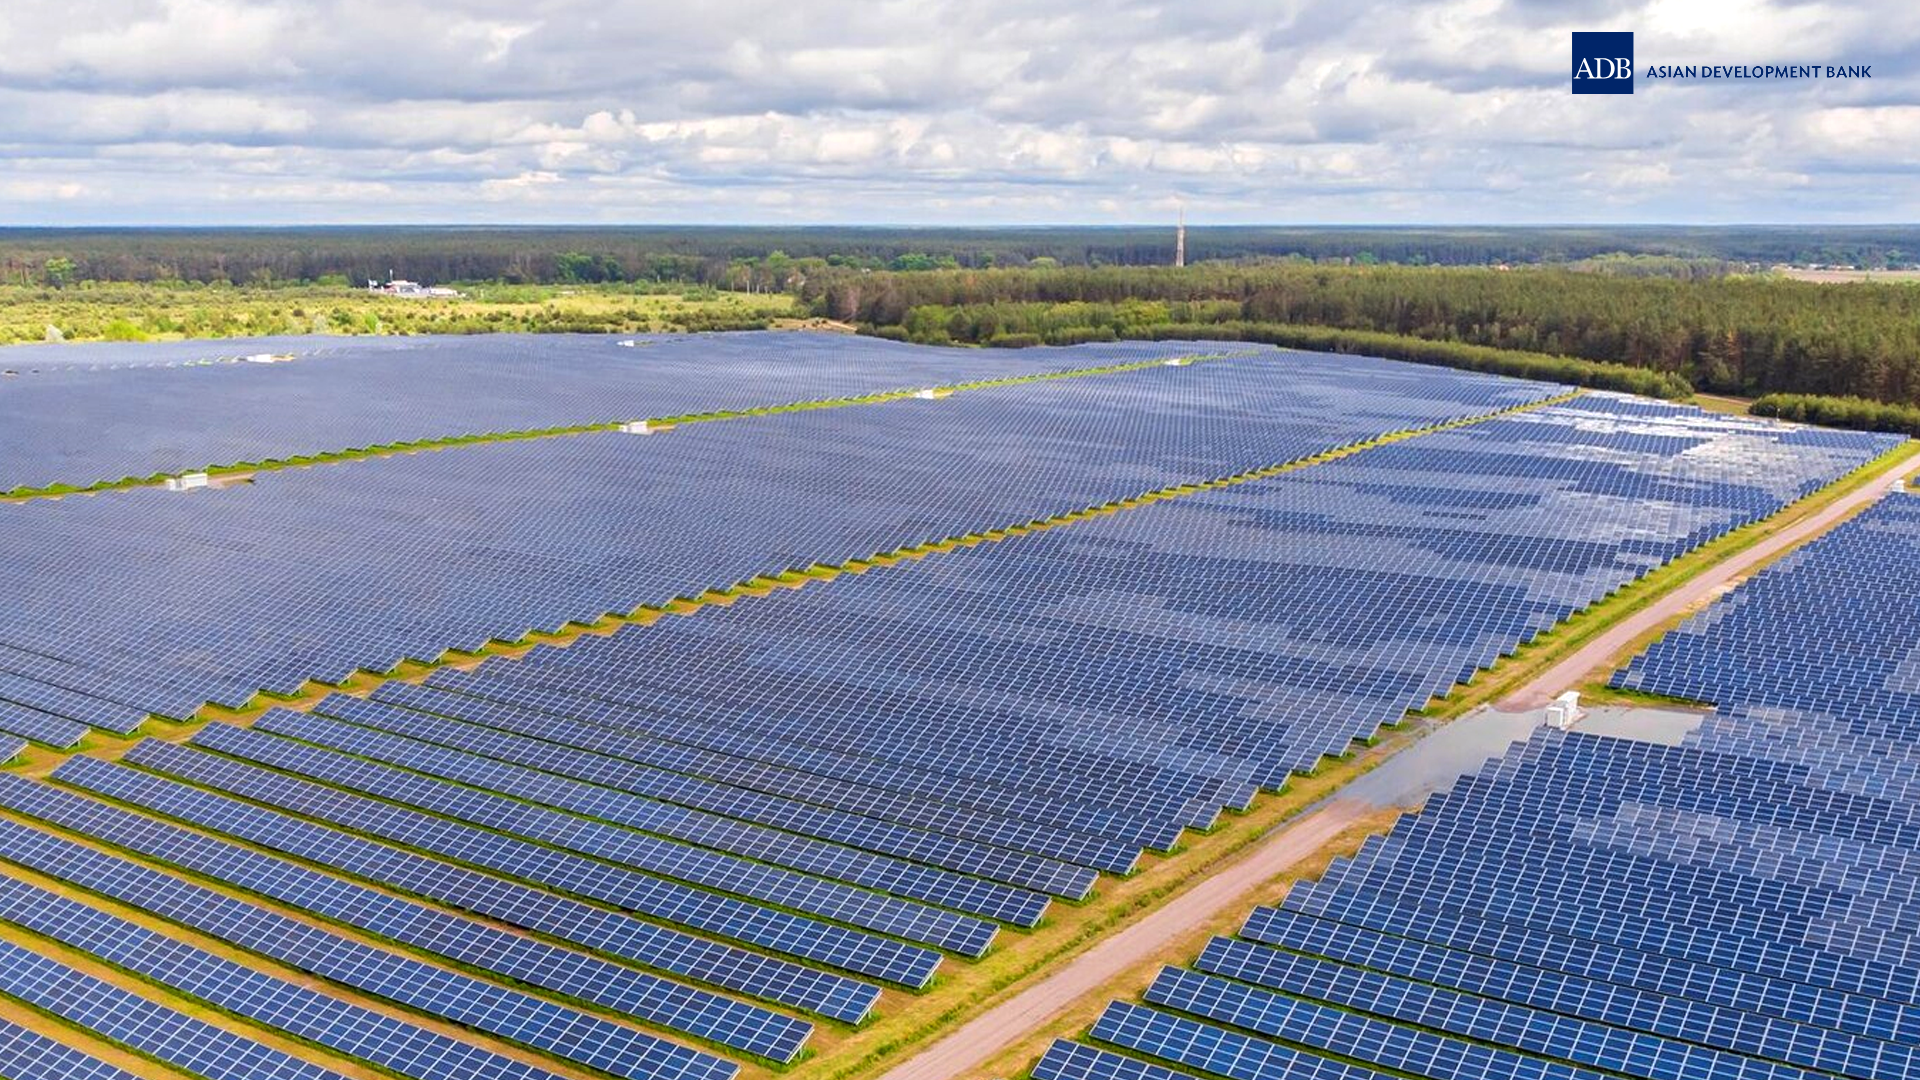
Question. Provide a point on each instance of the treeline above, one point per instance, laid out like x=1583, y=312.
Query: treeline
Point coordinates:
x=1740, y=336
x=729, y=256
x=1453, y=354
x=269, y=257
x=1844, y=412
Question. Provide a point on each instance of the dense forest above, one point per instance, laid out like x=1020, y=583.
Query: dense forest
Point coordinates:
x=738, y=257
x=1656, y=309
x=1744, y=336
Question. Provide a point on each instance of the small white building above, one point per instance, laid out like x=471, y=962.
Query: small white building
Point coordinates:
x=1564, y=711
x=411, y=290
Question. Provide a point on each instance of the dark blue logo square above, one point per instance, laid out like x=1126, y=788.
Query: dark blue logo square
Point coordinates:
x=1603, y=62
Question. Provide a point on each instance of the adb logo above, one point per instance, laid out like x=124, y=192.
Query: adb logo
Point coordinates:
x=1603, y=62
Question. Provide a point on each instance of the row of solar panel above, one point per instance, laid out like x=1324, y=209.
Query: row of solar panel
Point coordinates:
x=134, y=1021
x=598, y=928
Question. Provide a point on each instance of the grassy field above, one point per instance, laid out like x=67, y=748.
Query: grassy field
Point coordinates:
x=1849, y=277
x=1721, y=403
x=125, y=312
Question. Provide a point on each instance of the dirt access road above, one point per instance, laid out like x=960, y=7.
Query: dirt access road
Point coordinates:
x=1095, y=970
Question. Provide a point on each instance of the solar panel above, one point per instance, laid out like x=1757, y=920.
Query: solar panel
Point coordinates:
x=867, y=774
x=711, y=912
x=41, y=727
x=1073, y=1061
x=437, y=991
x=1018, y=906
x=170, y=414
x=641, y=747
x=309, y=1014
x=1711, y=1007
x=1216, y=1050
x=619, y=846
x=464, y=941
x=598, y=929
x=1013, y=868
x=145, y=1026
x=363, y=572
x=29, y=1055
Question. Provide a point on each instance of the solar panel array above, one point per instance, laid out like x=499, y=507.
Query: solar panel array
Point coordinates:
x=36, y=358
x=1851, y=593
x=907, y=758
x=163, y=601
x=1739, y=906
x=80, y=424
x=649, y=853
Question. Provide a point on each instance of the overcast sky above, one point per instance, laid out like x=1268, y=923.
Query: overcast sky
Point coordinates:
x=985, y=112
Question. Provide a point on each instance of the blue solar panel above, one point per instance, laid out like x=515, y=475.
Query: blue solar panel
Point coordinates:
x=437, y=991
x=1072, y=1061
x=1214, y=1050
x=29, y=1055
x=514, y=956
x=1712, y=1007
x=1018, y=906
x=42, y=727
x=636, y=745
x=595, y=928
x=148, y=1027
x=1014, y=868
x=620, y=846
x=572, y=685
x=1827, y=631
x=1339, y=1031
x=364, y=566
x=309, y=1014
x=863, y=774
x=714, y=913
x=78, y=708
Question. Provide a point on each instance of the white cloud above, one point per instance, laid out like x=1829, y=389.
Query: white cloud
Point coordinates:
x=1261, y=110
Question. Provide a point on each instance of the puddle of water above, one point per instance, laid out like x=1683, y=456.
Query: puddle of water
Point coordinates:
x=1668, y=727
x=1436, y=761
x=1463, y=746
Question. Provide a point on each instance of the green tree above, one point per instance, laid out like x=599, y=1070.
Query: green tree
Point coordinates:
x=60, y=271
